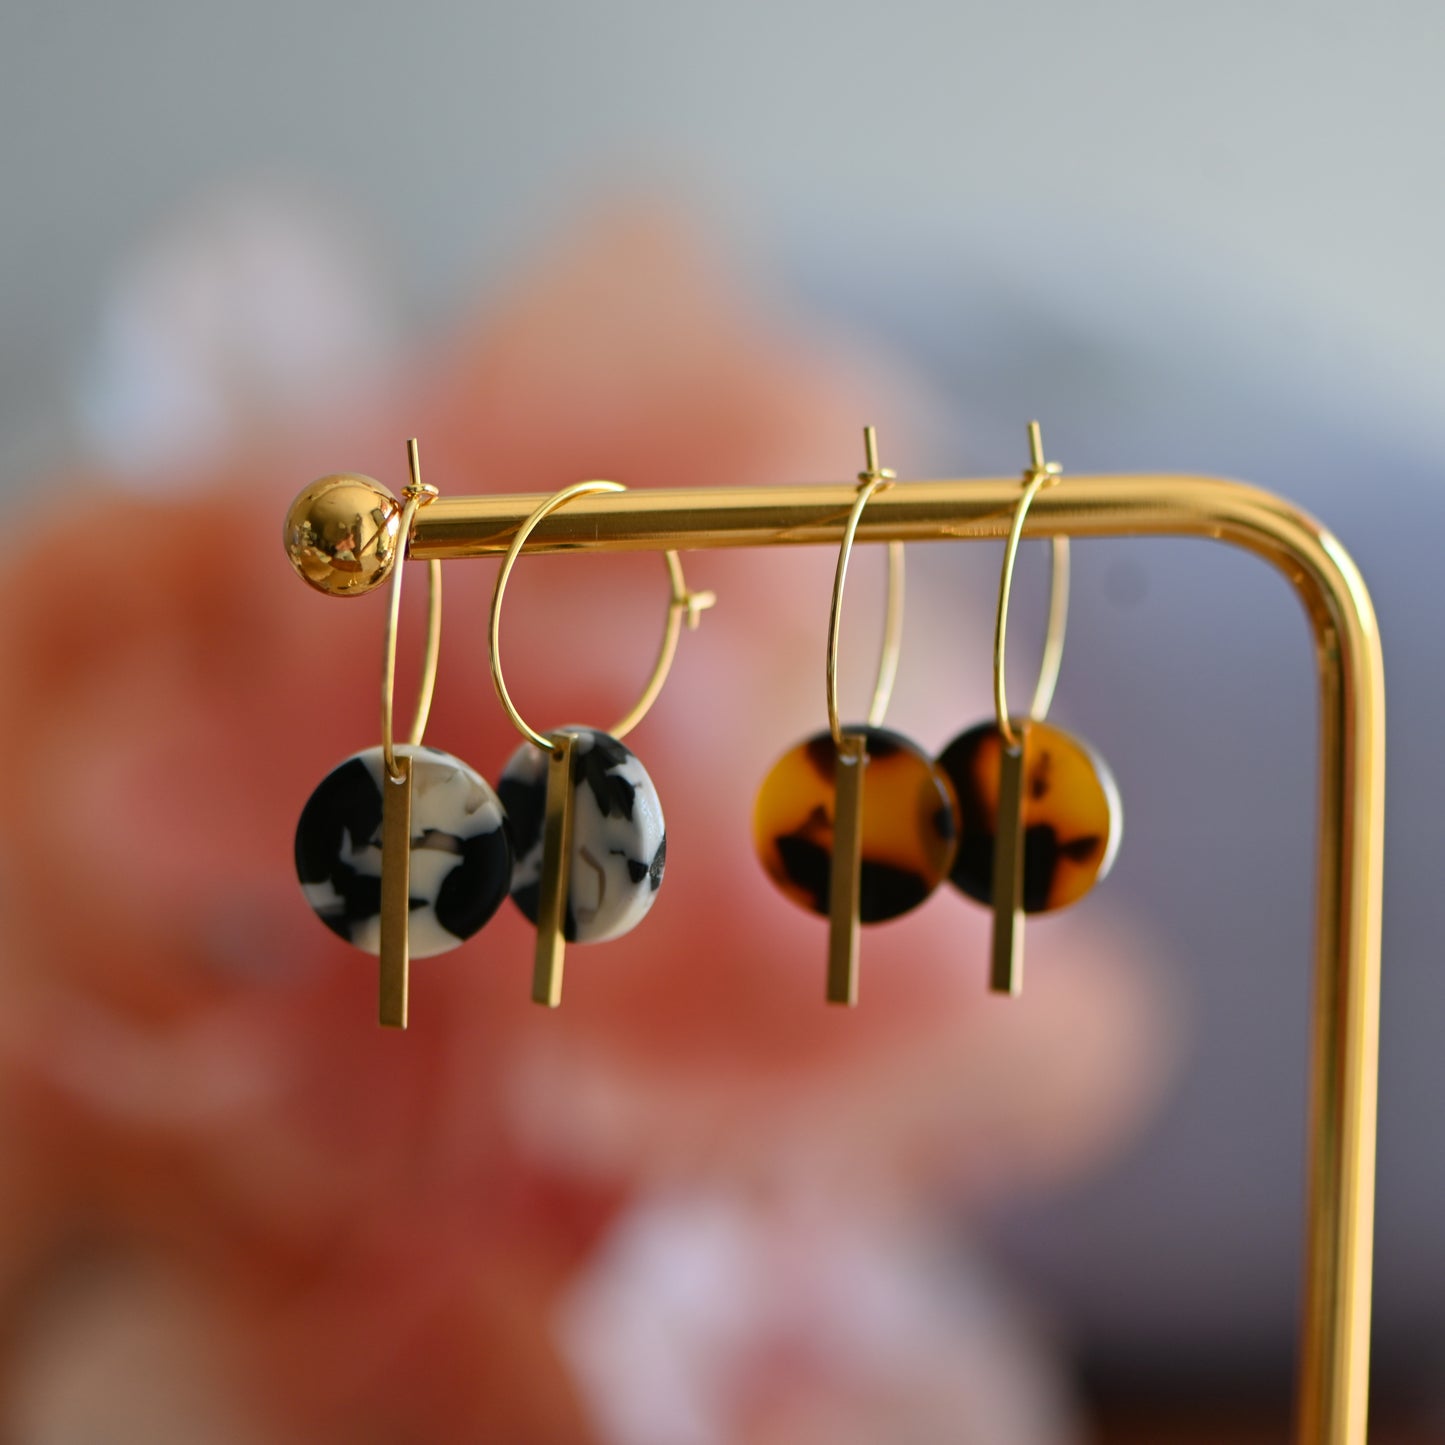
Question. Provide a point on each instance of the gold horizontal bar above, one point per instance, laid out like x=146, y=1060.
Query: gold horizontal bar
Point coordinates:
x=657, y=519
x=1331, y=1390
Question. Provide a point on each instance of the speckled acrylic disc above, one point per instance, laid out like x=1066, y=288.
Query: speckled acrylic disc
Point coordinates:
x=461, y=855
x=619, y=841
x=908, y=825
x=1072, y=814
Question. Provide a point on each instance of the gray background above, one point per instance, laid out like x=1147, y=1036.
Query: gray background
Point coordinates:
x=1191, y=238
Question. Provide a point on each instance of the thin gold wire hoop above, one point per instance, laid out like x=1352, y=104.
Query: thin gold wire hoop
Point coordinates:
x=682, y=606
x=417, y=495
x=873, y=479
x=1040, y=474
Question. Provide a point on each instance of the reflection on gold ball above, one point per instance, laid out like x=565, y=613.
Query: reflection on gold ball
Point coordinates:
x=341, y=534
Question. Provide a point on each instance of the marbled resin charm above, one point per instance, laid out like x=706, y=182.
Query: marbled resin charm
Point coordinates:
x=619, y=841
x=1072, y=817
x=908, y=825
x=461, y=854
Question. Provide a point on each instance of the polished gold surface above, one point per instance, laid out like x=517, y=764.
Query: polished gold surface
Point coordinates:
x=395, y=893
x=396, y=772
x=846, y=870
x=555, y=879
x=1039, y=474
x=421, y=493
x=893, y=607
x=341, y=533
x=850, y=749
x=683, y=606
x=1007, y=972
x=417, y=496
x=870, y=482
x=1334, y=1362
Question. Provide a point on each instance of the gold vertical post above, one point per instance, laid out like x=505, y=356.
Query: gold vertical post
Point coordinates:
x=870, y=452
x=1036, y=448
x=556, y=874
x=1008, y=868
x=846, y=870
x=1332, y=1398
x=395, y=893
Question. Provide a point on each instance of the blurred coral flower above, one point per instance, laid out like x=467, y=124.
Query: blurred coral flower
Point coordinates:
x=694, y=1207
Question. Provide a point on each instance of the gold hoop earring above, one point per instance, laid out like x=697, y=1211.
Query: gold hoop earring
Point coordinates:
x=586, y=821
x=403, y=850
x=857, y=823
x=1039, y=811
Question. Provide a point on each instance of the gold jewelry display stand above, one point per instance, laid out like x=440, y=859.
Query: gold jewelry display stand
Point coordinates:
x=1331, y=1391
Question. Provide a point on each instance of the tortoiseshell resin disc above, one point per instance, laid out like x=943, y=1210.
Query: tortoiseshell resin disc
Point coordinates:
x=1072, y=814
x=908, y=824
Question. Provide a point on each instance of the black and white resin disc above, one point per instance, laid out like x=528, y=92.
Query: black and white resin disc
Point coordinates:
x=461, y=853
x=619, y=842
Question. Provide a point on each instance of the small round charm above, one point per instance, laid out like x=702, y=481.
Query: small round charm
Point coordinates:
x=908, y=825
x=461, y=854
x=1071, y=814
x=619, y=841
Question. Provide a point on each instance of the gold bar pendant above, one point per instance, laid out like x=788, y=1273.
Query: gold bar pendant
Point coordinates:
x=556, y=874
x=1008, y=869
x=846, y=871
x=395, y=894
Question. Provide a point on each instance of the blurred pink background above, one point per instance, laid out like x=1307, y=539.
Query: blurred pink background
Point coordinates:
x=694, y=1205
x=246, y=249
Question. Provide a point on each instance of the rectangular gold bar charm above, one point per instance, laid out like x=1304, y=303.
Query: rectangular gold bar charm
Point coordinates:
x=395, y=893
x=554, y=883
x=846, y=870
x=1008, y=869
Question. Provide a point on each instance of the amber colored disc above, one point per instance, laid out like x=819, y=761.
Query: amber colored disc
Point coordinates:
x=1072, y=815
x=908, y=824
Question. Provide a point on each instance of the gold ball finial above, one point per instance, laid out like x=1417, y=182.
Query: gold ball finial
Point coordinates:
x=341, y=534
